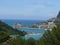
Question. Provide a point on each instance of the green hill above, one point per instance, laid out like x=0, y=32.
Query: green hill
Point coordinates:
x=6, y=31
x=6, y=28
x=57, y=21
x=58, y=16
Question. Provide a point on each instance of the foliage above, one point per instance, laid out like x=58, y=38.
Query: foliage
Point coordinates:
x=6, y=28
x=49, y=37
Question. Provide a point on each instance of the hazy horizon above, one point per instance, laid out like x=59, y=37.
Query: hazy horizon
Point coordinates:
x=29, y=9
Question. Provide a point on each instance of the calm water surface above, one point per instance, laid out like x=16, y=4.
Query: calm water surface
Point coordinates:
x=38, y=33
x=30, y=31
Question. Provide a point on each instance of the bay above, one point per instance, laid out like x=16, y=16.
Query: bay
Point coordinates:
x=32, y=32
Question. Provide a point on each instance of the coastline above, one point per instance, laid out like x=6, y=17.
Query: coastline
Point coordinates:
x=33, y=28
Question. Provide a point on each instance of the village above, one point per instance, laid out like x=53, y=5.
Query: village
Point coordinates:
x=48, y=25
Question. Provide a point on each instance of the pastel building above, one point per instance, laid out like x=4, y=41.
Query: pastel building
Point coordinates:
x=49, y=25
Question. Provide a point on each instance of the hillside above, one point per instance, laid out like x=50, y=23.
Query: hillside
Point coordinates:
x=58, y=16
x=49, y=38
x=6, y=31
x=6, y=28
x=57, y=21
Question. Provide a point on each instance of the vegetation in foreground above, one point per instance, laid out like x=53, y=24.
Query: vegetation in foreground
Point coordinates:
x=49, y=38
x=6, y=31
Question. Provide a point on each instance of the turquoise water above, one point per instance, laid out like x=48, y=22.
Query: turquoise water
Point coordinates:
x=31, y=30
x=28, y=30
x=23, y=22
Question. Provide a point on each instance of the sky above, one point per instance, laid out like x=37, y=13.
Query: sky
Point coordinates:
x=29, y=9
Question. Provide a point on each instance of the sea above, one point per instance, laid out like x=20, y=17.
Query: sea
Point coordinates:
x=32, y=32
